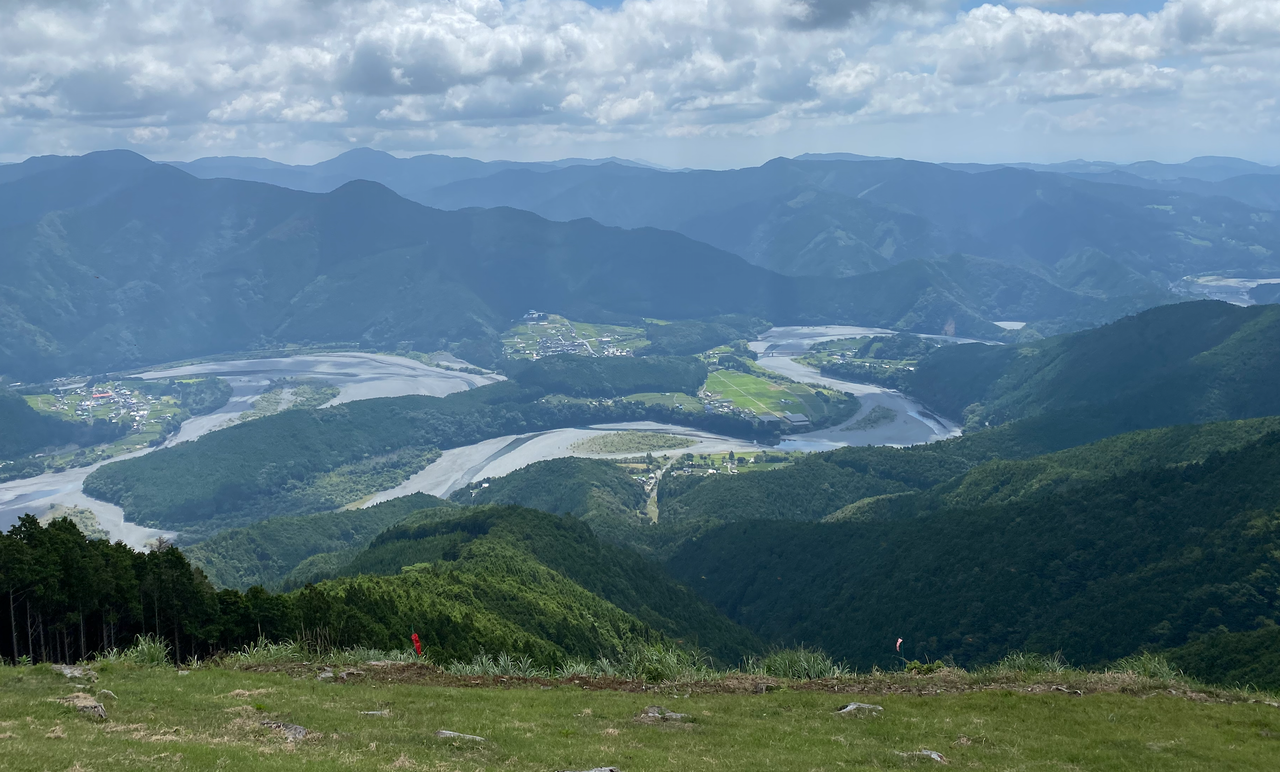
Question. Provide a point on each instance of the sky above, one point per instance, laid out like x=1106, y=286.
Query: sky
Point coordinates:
x=698, y=83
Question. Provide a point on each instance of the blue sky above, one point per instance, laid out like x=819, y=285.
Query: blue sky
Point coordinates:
x=681, y=82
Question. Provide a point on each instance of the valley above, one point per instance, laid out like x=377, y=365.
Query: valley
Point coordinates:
x=746, y=464
x=361, y=376
x=639, y=386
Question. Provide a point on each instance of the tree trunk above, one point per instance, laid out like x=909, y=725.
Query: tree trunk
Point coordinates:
x=83, y=652
x=13, y=627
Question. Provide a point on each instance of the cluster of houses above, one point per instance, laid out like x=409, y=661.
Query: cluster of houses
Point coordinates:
x=125, y=404
x=555, y=341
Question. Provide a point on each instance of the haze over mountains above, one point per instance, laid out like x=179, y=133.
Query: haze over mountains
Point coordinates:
x=115, y=261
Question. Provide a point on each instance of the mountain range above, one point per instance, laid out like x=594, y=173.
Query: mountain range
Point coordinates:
x=1103, y=228
x=111, y=261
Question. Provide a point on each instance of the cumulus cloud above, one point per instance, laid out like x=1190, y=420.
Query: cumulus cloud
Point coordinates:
x=190, y=77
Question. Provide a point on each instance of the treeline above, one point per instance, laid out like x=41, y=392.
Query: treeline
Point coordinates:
x=579, y=376
x=69, y=597
x=222, y=479
x=515, y=580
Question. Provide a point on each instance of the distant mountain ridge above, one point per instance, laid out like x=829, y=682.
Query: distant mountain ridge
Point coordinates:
x=109, y=261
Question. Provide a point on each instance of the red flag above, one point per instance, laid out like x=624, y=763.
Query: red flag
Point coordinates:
x=417, y=644
x=899, y=643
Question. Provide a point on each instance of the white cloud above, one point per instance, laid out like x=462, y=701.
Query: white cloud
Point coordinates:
x=189, y=77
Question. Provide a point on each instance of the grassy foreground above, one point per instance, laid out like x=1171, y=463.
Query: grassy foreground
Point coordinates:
x=212, y=718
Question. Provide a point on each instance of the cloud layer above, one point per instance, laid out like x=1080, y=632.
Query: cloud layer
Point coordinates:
x=290, y=78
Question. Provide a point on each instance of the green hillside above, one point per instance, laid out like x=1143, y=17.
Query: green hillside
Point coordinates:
x=264, y=553
x=513, y=580
x=580, y=376
x=1185, y=363
x=600, y=493
x=566, y=546
x=1126, y=555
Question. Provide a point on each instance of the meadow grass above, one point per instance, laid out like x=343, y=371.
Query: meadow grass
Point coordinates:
x=762, y=396
x=212, y=718
x=631, y=442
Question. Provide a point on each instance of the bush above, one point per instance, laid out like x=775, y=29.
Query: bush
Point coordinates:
x=146, y=651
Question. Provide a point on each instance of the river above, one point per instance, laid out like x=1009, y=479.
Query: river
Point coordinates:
x=358, y=376
x=365, y=376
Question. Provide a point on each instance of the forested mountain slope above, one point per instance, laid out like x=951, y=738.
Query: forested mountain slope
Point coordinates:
x=562, y=544
x=1184, y=363
x=598, y=492
x=1097, y=568
x=264, y=553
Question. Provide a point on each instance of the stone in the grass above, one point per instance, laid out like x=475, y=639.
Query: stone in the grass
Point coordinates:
x=925, y=753
x=656, y=714
x=85, y=704
x=292, y=732
x=457, y=735
x=860, y=709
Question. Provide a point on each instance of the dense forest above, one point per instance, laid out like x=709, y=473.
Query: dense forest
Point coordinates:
x=518, y=581
x=265, y=553
x=580, y=376
x=598, y=492
x=1184, y=363
x=1126, y=556
x=697, y=336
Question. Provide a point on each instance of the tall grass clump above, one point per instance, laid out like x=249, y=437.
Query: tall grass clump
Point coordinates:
x=1146, y=665
x=146, y=651
x=802, y=664
x=657, y=663
x=1030, y=663
x=264, y=652
x=518, y=666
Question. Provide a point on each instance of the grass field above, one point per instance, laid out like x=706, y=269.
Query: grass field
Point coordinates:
x=212, y=719
x=763, y=397
x=631, y=442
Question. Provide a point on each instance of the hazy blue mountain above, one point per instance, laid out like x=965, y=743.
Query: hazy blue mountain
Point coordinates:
x=411, y=177
x=106, y=271
x=1206, y=168
x=838, y=217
